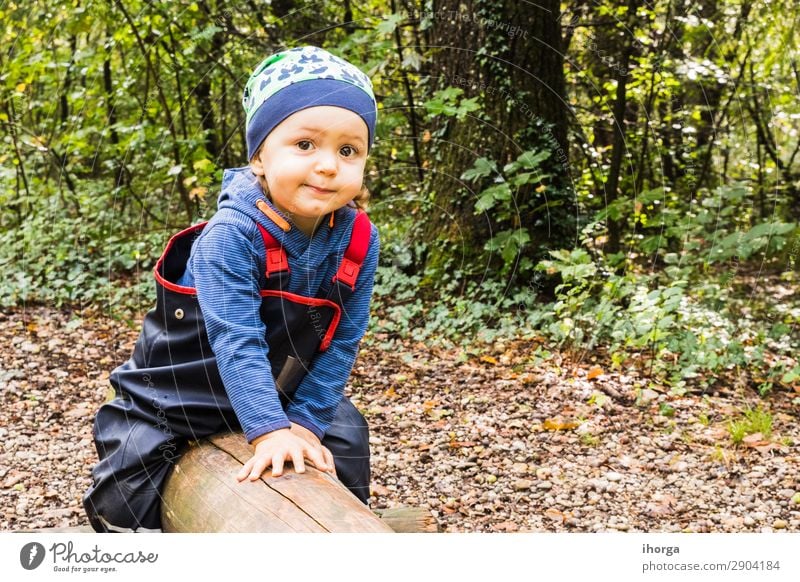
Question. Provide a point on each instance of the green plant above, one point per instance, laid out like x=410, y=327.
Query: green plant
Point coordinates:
x=754, y=421
x=448, y=102
x=70, y=258
x=501, y=201
x=665, y=409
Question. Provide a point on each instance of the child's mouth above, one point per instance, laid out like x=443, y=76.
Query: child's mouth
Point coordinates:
x=318, y=190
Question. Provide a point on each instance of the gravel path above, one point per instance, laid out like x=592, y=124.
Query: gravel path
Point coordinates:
x=487, y=441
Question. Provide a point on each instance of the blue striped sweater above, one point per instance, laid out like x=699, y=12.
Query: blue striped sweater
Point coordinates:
x=227, y=268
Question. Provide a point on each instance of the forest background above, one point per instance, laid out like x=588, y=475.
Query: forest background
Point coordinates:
x=614, y=179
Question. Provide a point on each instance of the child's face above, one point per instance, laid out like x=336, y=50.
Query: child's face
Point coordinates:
x=313, y=162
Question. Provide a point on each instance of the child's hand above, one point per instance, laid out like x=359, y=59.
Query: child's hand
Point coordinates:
x=274, y=449
x=312, y=440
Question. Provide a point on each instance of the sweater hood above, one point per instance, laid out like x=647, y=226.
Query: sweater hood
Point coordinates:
x=241, y=190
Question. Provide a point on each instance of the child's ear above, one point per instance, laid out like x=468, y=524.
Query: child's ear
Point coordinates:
x=257, y=166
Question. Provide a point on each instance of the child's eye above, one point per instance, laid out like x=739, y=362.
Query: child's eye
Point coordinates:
x=348, y=151
x=304, y=145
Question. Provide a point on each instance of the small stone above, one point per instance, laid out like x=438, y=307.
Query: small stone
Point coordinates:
x=544, y=485
x=491, y=478
x=613, y=476
x=599, y=484
x=779, y=524
x=749, y=521
x=648, y=395
x=79, y=411
x=522, y=484
x=13, y=479
x=594, y=461
x=732, y=522
x=625, y=461
x=30, y=347
x=57, y=513
x=759, y=515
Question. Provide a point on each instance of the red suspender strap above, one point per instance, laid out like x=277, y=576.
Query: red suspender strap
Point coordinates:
x=356, y=251
x=276, y=256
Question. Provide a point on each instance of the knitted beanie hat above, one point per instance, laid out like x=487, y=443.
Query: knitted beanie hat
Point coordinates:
x=303, y=77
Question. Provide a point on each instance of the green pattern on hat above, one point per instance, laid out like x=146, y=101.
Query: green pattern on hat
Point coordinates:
x=305, y=63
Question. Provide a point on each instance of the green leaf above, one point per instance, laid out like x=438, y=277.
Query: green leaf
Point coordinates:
x=449, y=94
x=388, y=25
x=491, y=196
x=482, y=168
x=467, y=106
x=528, y=160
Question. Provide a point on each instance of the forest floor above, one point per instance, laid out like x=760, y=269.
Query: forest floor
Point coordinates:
x=487, y=442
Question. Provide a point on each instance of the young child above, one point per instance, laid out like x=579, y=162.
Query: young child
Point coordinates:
x=261, y=310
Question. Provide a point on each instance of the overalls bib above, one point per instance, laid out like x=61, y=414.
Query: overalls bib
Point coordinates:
x=170, y=391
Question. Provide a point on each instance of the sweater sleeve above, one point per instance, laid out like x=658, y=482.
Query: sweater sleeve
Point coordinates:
x=317, y=397
x=226, y=275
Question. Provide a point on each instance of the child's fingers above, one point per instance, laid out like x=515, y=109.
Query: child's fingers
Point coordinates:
x=297, y=461
x=316, y=456
x=242, y=474
x=329, y=460
x=277, y=465
x=259, y=466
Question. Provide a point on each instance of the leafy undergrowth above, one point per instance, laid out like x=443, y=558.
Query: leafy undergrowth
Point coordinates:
x=680, y=336
x=490, y=438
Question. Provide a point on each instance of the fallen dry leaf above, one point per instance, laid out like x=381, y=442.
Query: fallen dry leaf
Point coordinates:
x=754, y=440
x=508, y=526
x=555, y=515
x=594, y=373
x=662, y=504
x=429, y=405
x=460, y=444
x=559, y=424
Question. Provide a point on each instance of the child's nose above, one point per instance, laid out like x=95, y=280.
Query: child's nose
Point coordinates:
x=326, y=162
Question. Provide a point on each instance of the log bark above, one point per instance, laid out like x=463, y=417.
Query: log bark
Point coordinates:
x=409, y=520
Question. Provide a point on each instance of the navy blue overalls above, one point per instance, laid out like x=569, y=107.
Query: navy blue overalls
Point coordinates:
x=170, y=390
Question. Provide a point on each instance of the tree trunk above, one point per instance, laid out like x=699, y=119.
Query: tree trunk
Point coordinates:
x=619, y=145
x=508, y=54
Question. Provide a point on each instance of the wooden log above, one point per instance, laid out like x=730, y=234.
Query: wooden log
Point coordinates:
x=409, y=520
x=203, y=495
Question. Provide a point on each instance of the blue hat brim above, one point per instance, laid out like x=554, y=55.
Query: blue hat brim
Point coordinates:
x=305, y=94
